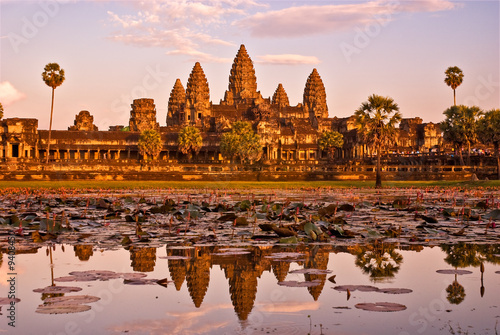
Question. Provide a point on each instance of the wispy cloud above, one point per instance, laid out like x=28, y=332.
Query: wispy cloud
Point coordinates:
x=306, y=20
x=191, y=322
x=178, y=25
x=287, y=59
x=9, y=94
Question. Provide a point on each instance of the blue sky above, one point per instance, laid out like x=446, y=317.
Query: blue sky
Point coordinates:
x=117, y=51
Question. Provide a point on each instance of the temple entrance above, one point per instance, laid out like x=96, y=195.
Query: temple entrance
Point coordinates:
x=15, y=150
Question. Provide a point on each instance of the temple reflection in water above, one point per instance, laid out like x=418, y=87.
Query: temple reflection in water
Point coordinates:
x=243, y=266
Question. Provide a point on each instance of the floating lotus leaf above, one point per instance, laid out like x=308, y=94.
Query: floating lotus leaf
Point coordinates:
x=140, y=281
x=7, y=301
x=91, y=275
x=61, y=309
x=292, y=283
x=381, y=307
x=57, y=289
x=280, y=255
x=361, y=288
x=133, y=276
x=454, y=272
x=71, y=300
x=494, y=214
x=289, y=240
x=241, y=221
x=312, y=271
x=395, y=290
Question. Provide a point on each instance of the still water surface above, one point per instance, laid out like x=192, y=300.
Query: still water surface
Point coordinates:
x=245, y=290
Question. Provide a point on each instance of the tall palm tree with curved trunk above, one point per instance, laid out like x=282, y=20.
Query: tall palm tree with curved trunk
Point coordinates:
x=376, y=121
x=53, y=76
x=454, y=77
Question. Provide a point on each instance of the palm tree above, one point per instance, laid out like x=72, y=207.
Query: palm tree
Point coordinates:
x=53, y=76
x=488, y=131
x=150, y=143
x=454, y=78
x=376, y=121
x=460, y=127
x=189, y=141
x=330, y=140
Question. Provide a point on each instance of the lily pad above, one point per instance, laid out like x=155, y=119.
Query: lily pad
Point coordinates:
x=395, y=290
x=71, y=300
x=62, y=309
x=133, y=275
x=293, y=283
x=361, y=288
x=7, y=301
x=454, y=272
x=285, y=255
x=312, y=271
x=57, y=289
x=140, y=281
x=381, y=307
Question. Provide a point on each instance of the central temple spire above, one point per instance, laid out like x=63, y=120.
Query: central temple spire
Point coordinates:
x=242, y=80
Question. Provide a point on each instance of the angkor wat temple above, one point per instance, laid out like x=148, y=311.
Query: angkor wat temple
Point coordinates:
x=289, y=134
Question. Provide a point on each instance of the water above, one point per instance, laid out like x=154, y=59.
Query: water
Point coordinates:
x=222, y=290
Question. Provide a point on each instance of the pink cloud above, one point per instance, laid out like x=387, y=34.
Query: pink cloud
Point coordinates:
x=287, y=59
x=316, y=19
x=9, y=94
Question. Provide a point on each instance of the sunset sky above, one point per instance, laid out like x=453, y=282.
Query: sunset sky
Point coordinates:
x=117, y=51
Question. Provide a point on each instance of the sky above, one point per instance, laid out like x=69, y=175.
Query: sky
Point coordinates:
x=115, y=51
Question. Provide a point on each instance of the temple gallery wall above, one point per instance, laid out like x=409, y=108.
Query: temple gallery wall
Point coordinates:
x=288, y=134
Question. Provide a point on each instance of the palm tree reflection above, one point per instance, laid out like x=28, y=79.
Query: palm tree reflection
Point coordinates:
x=380, y=261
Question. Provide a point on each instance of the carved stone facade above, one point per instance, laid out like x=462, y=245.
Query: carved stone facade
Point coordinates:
x=143, y=115
x=280, y=98
x=84, y=122
x=315, y=96
x=197, y=107
x=242, y=81
x=19, y=139
x=289, y=134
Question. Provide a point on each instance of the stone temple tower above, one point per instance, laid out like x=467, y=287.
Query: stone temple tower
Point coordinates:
x=280, y=97
x=176, y=103
x=197, y=108
x=315, y=96
x=143, y=115
x=242, y=80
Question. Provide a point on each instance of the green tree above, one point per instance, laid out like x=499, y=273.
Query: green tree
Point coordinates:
x=241, y=142
x=376, y=121
x=1, y=111
x=460, y=127
x=189, y=141
x=53, y=76
x=150, y=143
x=330, y=140
x=454, y=78
x=489, y=132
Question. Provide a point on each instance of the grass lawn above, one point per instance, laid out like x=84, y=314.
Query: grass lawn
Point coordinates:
x=239, y=184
